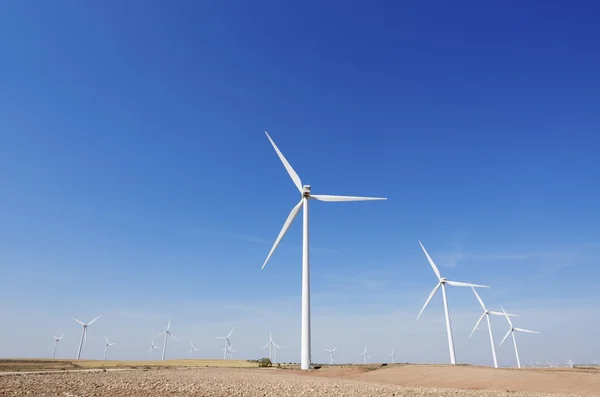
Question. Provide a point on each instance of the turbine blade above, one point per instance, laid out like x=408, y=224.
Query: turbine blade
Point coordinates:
x=286, y=164
x=507, y=317
x=505, y=336
x=80, y=322
x=503, y=314
x=284, y=230
x=429, y=299
x=477, y=325
x=526, y=330
x=61, y=336
x=169, y=324
x=267, y=345
x=92, y=322
x=461, y=284
x=433, y=266
x=230, y=332
x=106, y=340
x=478, y=298
x=332, y=198
x=334, y=348
x=173, y=336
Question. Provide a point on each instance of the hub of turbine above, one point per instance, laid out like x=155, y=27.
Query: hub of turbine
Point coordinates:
x=306, y=191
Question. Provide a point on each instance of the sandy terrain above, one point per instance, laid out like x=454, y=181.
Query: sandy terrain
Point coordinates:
x=221, y=382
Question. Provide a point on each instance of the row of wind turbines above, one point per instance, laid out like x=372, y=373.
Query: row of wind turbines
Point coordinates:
x=305, y=196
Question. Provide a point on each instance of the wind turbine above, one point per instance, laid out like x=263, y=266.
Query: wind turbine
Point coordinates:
x=512, y=330
x=486, y=314
x=56, y=341
x=192, y=350
x=84, y=333
x=365, y=355
x=227, y=342
x=270, y=346
x=152, y=349
x=166, y=333
x=442, y=281
x=275, y=347
x=393, y=355
x=331, y=354
x=305, y=191
x=106, y=347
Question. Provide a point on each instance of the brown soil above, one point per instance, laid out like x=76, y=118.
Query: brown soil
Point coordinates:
x=564, y=380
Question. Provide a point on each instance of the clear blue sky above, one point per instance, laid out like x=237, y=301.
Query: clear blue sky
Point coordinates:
x=137, y=181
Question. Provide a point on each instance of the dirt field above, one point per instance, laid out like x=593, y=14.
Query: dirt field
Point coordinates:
x=422, y=381
x=543, y=380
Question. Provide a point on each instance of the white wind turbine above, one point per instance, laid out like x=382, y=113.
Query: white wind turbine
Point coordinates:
x=275, y=347
x=365, y=355
x=56, y=341
x=166, y=333
x=512, y=330
x=152, y=349
x=305, y=192
x=331, y=354
x=227, y=342
x=393, y=355
x=106, y=347
x=442, y=281
x=229, y=351
x=192, y=350
x=486, y=314
x=84, y=333
x=270, y=346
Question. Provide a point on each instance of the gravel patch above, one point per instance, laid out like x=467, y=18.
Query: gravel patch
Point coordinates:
x=213, y=382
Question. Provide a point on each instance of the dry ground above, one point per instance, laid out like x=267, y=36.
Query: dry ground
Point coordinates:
x=361, y=381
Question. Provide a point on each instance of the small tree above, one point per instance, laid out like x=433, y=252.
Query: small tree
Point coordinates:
x=265, y=362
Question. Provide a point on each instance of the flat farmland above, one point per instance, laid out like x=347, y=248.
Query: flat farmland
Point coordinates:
x=400, y=380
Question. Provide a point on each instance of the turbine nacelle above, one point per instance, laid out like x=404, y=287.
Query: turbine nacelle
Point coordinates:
x=306, y=191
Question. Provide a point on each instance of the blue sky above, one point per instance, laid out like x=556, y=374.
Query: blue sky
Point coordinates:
x=138, y=183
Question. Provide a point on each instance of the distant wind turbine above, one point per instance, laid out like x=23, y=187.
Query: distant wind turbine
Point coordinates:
x=229, y=351
x=512, y=330
x=365, y=355
x=275, y=347
x=305, y=191
x=106, y=347
x=152, y=349
x=56, y=341
x=166, y=333
x=442, y=281
x=227, y=342
x=84, y=333
x=270, y=346
x=486, y=314
x=393, y=355
x=192, y=350
x=331, y=354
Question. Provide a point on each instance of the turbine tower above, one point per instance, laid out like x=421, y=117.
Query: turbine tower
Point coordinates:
x=229, y=351
x=166, y=333
x=365, y=355
x=192, y=350
x=56, y=341
x=84, y=333
x=227, y=342
x=106, y=347
x=152, y=349
x=512, y=330
x=393, y=355
x=305, y=192
x=331, y=354
x=486, y=314
x=442, y=281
